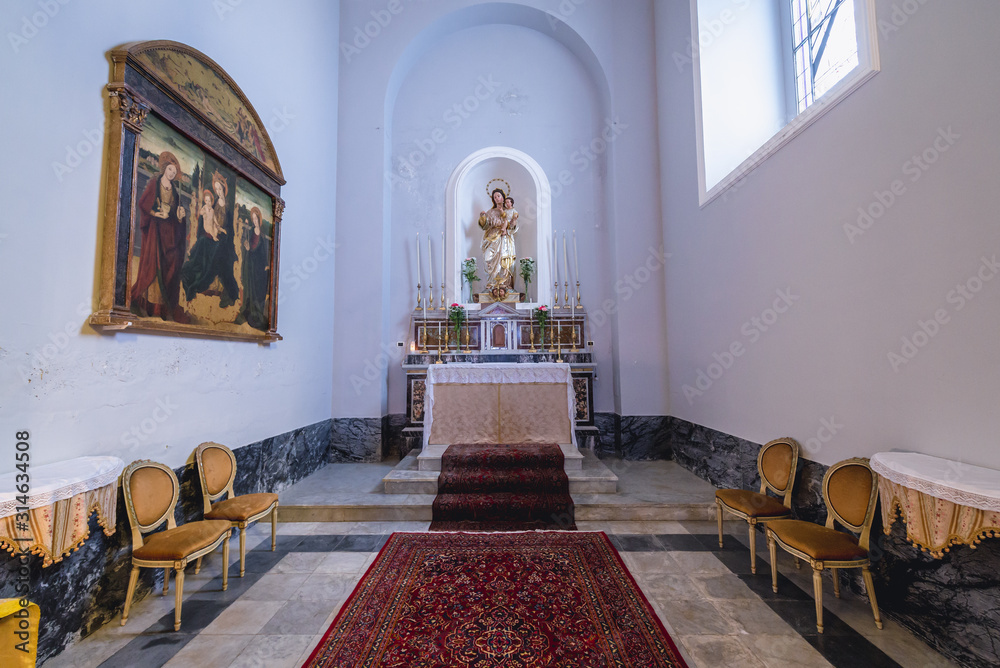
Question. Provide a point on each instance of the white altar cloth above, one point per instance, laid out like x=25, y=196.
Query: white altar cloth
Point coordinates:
x=500, y=374
x=943, y=502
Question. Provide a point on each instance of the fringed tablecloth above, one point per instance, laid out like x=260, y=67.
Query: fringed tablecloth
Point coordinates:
x=61, y=498
x=943, y=502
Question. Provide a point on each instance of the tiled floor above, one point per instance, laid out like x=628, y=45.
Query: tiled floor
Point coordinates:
x=719, y=614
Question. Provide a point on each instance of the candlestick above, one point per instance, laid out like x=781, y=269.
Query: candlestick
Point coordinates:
x=430, y=274
x=531, y=335
x=439, y=344
x=442, y=271
x=578, y=292
x=566, y=294
x=559, y=358
x=552, y=335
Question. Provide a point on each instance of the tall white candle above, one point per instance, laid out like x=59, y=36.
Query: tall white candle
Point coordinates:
x=555, y=257
x=442, y=266
x=430, y=266
x=565, y=260
x=576, y=257
x=418, y=258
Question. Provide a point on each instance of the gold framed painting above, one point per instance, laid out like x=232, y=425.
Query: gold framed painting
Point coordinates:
x=193, y=209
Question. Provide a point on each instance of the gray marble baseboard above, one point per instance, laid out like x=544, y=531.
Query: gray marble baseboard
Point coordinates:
x=356, y=439
x=87, y=588
x=952, y=604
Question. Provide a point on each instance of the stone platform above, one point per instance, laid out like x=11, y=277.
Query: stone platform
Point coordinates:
x=355, y=492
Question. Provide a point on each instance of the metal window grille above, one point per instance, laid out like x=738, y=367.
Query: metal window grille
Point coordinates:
x=824, y=46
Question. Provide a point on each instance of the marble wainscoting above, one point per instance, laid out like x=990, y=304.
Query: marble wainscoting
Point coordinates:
x=952, y=604
x=86, y=590
x=633, y=437
x=356, y=439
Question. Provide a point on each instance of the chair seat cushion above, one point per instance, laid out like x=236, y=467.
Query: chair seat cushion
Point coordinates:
x=815, y=540
x=752, y=504
x=178, y=543
x=241, y=508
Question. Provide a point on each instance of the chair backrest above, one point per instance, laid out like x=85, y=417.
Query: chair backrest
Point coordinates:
x=850, y=489
x=151, y=491
x=216, y=470
x=776, y=463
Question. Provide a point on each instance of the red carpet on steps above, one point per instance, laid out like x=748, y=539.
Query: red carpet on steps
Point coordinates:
x=502, y=488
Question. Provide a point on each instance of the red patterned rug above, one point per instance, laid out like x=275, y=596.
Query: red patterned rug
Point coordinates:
x=502, y=488
x=508, y=600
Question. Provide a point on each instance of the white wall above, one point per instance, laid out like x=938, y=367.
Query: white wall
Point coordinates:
x=586, y=62
x=140, y=395
x=825, y=360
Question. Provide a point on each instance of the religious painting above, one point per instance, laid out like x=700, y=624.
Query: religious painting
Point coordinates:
x=191, y=228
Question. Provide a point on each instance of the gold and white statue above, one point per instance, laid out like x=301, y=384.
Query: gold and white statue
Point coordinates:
x=499, y=226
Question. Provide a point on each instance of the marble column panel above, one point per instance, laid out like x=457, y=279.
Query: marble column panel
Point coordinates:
x=392, y=435
x=610, y=427
x=356, y=439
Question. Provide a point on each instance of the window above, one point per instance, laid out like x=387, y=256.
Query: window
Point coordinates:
x=824, y=46
x=766, y=70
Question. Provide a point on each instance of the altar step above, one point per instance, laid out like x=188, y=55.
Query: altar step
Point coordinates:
x=653, y=491
x=418, y=473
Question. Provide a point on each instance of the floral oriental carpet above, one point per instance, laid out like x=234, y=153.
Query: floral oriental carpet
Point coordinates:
x=511, y=600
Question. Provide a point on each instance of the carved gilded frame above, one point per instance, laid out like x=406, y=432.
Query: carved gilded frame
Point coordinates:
x=194, y=105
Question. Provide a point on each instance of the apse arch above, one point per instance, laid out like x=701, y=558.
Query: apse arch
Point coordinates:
x=482, y=15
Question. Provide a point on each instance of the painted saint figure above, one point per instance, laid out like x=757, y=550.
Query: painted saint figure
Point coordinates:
x=499, y=228
x=212, y=255
x=255, y=273
x=156, y=291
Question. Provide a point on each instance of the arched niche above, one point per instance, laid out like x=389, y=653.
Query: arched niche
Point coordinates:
x=466, y=196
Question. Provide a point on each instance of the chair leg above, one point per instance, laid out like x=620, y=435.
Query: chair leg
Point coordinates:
x=166, y=581
x=870, y=586
x=243, y=549
x=133, y=578
x=718, y=517
x=772, y=548
x=197, y=566
x=836, y=582
x=178, y=596
x=818, y=593
x=274, y=528
x=225, y=561
x=753, y=548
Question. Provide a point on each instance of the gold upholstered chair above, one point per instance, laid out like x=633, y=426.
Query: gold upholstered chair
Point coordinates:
x=217, y=470
x=776, y=464
x=850, y=489
x=151, y=490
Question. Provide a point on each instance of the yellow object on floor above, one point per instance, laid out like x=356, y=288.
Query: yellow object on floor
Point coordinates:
x=19, y=631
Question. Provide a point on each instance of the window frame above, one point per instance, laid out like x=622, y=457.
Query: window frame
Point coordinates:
x=868, y=66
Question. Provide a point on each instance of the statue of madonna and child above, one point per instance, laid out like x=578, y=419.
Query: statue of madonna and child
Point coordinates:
x=499, y=226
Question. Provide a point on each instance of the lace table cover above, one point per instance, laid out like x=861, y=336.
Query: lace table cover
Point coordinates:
x=61, y=498
x=943, y=502
x=544, y=407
